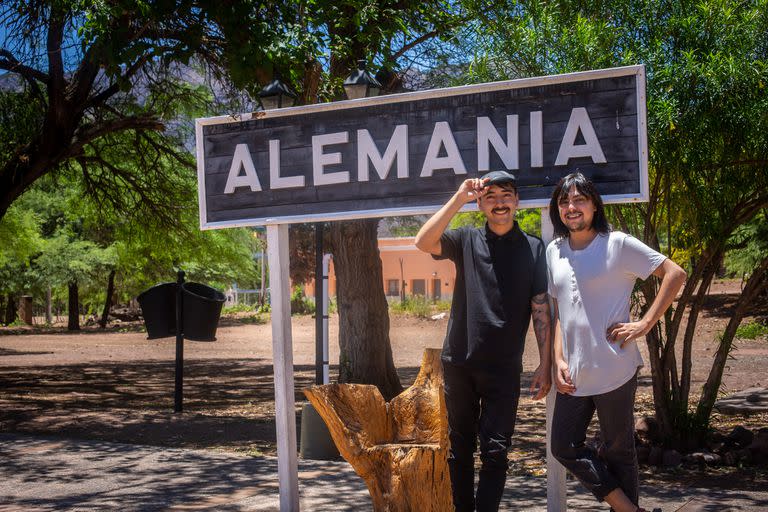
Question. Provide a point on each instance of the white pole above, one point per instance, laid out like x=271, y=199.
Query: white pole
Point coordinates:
x=326, y=301
x=556, y=491
x=282, y=356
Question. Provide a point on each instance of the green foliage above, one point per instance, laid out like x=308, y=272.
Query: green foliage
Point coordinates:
x=416, y=305
x=238, y=308
x=256, y=319
x=529, y=220
x=59, y=235
x=19, y=237
x=301, y=305
x=475, y=219
x=752, y=331
x=747, y=246
x=65, y=260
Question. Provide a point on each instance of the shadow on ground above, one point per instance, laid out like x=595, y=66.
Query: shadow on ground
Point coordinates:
x=63, y=474
x=227, y=403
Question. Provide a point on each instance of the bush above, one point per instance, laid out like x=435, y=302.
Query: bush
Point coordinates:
x=301, y=305
x=418, y=306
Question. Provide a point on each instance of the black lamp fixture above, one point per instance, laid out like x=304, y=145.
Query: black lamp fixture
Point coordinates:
x=276, y=95
x=360, y=84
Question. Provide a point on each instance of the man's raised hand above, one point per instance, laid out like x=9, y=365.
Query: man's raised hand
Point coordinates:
x=472, y=189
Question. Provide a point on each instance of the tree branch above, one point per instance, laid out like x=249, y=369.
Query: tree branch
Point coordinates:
x=55, y=59
x=114, y=88
x=127, y=123
x=9, y=62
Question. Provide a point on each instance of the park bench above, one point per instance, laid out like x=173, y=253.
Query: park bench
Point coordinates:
x=398, y=448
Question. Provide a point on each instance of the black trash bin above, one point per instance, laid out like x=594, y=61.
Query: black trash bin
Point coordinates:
x=201, y=310
x=158, y=307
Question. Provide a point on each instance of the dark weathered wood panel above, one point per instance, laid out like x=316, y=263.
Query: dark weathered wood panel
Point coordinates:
x=610, y=102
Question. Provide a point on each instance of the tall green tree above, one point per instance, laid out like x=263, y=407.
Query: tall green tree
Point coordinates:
x=707, y=70
x=93, y=70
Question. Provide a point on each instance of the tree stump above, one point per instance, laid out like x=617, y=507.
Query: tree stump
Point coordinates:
x=400, y=448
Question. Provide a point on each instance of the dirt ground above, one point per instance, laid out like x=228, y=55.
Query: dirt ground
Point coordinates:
x=118, y=386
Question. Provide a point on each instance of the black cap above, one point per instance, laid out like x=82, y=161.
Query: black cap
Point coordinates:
x=498, y=178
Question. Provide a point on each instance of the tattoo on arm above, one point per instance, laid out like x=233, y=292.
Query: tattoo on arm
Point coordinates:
x=541, y=319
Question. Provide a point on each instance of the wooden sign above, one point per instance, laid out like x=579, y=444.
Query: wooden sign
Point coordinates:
x=406, y=154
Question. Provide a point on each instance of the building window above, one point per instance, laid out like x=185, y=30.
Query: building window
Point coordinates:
x=393, y=288
x=419, y=287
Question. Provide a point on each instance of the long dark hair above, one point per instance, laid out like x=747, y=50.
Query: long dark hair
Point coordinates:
x=585, y=187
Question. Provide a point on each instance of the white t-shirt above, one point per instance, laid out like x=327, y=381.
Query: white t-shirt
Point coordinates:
x=592, y=287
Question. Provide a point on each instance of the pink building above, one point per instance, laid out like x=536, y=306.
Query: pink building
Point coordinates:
x=403, y=264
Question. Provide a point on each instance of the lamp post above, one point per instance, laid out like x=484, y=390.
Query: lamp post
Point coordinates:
x=361, y=84
x=276, y=94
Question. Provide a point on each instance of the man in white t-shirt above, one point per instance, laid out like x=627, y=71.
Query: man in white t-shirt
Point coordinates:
x=592, y=271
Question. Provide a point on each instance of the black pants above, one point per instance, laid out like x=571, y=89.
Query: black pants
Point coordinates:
x=615, y=466
x=480, y=402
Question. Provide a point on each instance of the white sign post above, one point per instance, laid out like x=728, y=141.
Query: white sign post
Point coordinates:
x=556, y=491
x=282, y=356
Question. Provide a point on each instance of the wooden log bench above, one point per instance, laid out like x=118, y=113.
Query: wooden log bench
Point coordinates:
x=399, y=448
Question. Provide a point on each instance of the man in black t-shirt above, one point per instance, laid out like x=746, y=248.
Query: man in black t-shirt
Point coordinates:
x=501, y=281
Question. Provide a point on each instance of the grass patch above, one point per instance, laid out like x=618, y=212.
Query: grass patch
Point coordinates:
x=751, y=331
x=255, y=319
x=238, y=308
x=419, y=306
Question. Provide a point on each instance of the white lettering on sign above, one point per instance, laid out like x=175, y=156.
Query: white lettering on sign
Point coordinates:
x=397, y=149
x=568, y=149
x=537, y=139
x=442, y=136
x=320, y=159
x=397, y=153
x=242, y=160
x=275, y=180
x=488, y=136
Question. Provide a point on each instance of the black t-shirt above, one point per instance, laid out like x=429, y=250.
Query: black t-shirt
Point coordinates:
x=496, y=277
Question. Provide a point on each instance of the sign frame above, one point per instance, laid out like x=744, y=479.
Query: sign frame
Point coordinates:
x=642, y=139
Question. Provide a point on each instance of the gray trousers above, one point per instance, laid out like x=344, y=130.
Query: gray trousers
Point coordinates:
x=615, y=466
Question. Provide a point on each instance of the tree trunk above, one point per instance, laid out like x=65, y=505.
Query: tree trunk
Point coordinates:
x=10, y=310
x=400, y=449
x=402, y=283
x=690, y=328
x=365, y=352
x=108, y=299
x=755, y=286
x=48, y=307
x=73, y=308
x=263, y=291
